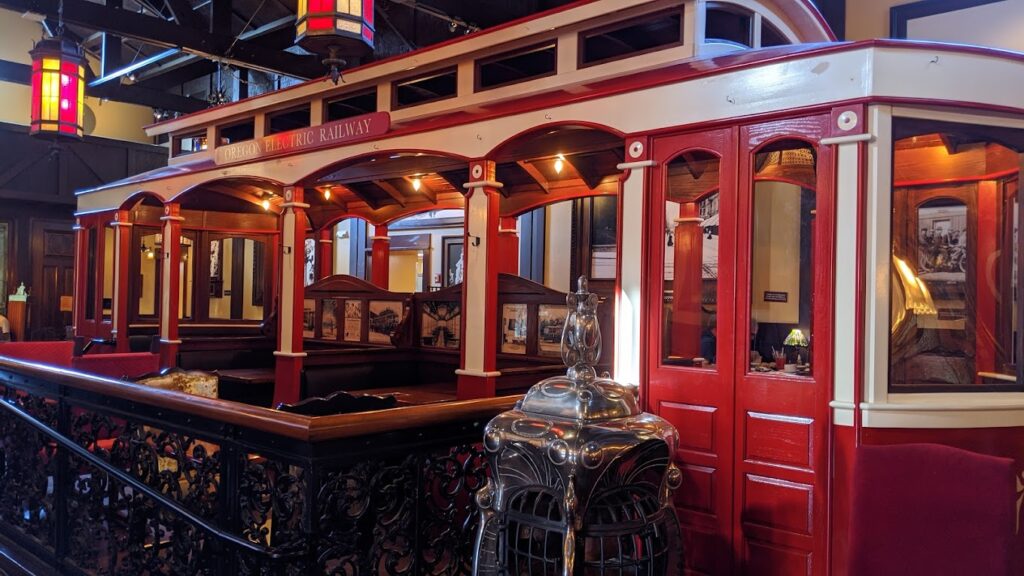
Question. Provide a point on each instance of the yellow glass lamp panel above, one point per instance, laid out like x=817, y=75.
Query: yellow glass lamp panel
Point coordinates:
x=49, y=105
x=303, y=8
x=349, y=26
x=81, y=100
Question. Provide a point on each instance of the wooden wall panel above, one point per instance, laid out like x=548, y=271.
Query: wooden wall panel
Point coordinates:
x=778, y=439
x=766, y=559
x=696, y=424
x=777, y=504
x=697, y=492
x=37, y=185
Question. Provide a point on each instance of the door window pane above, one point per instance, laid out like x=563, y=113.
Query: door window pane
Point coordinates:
x=782, y=265
x=4, y=243
x=108, y=272
x=690, y=327
x=954, y=323
x=186, y=277
x=149, y=273
x=237, y=278
x=90, y=276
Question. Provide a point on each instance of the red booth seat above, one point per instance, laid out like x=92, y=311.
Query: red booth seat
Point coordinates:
x=54, y=353
x=931, y=509
x=128, y=365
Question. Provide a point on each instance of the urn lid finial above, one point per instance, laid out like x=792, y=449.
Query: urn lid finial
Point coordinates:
x=581, y=394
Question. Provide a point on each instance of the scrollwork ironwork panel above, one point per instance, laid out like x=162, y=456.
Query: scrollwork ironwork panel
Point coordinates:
x=101, y=486
x=114, y=529
x=27, y=470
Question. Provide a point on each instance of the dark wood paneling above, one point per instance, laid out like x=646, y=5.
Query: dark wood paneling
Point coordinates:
x=37, y=184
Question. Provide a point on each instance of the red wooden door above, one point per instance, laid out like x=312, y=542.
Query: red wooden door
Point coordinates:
x=693, y=173
x=786, y=249
x=756, y=244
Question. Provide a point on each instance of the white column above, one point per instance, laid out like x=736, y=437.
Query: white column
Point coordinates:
x=629, y=304
x=848, y=169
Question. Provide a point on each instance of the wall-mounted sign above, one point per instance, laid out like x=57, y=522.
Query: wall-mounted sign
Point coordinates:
x=770, y=296
x=332, y=133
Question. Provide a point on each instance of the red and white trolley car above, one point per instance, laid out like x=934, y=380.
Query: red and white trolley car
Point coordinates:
x=817, y=242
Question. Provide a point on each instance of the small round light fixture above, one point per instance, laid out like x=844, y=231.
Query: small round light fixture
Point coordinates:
x=266, y=203
x=417, y=183
x=559, y=164
x=327, y=192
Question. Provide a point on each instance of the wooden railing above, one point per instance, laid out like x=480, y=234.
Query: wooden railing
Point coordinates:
x=100, y=476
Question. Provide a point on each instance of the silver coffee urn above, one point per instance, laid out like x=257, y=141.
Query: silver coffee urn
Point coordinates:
x=581, y=479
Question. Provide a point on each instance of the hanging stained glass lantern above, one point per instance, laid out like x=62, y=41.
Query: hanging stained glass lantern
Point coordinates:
x=336, y=29
x=58, y=89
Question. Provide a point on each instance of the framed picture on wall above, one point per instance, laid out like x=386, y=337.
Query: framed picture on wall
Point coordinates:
x=440, y=324
x=513, y=329
x=353, y=321
x=308, y=318
x=385, y=316
x=309, y=262
x=216, y=280
x=550, y=322
x=329, y=319
x=451, y=260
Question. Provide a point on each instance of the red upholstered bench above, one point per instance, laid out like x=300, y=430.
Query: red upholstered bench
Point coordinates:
x=53, y=353
x=128, y=365
x=931, y=509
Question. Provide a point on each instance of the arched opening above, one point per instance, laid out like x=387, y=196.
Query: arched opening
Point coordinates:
x=559, y=200
x=226, y=258
x=561, y=183
x=414, y=198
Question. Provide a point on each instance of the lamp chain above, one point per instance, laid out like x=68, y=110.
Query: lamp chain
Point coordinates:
x=60, y=19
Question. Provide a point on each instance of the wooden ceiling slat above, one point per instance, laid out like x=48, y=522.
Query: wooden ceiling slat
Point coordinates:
x=391, y=191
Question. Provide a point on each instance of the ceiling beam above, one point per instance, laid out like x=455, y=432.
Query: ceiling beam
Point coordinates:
x=216, y=46
x=126, y=70
x=392, y=191
x=539, y=178
x=185, y=15
x=110, y=52
x=19, y=73
x=148, y=97
x=356, y=188
x=189, y=59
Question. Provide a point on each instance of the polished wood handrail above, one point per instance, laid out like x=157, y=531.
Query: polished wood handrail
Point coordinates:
x=304, y=428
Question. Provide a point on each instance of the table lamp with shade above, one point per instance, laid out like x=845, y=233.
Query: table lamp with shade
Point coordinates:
x=798, y=340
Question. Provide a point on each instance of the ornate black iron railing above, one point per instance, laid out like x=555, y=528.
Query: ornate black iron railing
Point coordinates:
x=103, y=477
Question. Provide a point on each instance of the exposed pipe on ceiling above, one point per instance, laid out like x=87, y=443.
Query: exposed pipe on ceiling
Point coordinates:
x=453, y=22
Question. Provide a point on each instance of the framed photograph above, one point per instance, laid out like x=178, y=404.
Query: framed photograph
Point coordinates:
x=440, y=324
x=451, y=260
x=309, y=318
x=216, y=281
x=550, y=322
x=513, y=329
x=353, y=321
x=329, y=319
x=309, y=270
x=385, y=316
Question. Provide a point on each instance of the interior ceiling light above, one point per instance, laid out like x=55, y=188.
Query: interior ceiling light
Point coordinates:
x=58, y=86
x=559, y=164
x=266, y=202
x=336, y=29
x=327, y=192
x=416, y=183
